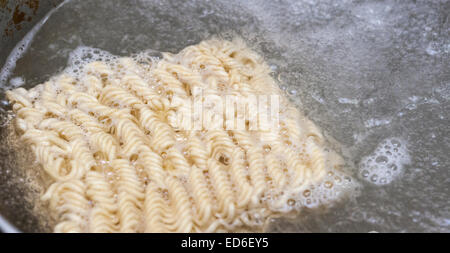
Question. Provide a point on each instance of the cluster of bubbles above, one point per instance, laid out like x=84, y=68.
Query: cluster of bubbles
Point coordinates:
x=386, y=163
x=335, y=186
x=84, y=55
x=81, y=56
x=338, y=183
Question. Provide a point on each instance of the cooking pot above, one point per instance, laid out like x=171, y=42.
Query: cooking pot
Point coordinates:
x=374, y=75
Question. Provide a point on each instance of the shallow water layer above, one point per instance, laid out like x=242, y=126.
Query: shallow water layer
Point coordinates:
x=373, y=74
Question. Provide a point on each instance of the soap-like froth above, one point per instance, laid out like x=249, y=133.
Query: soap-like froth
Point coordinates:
x=84, y=55
x=386, y=162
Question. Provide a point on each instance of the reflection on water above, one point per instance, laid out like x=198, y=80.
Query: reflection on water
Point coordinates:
x=373, y=74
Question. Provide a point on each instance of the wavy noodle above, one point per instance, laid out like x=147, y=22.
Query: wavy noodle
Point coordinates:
x=121, y=161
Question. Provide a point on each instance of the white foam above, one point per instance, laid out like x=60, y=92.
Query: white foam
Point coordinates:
x=386, y=162
x=84, y=55
x=147, y=56
x=335, y=186
x=16, y=82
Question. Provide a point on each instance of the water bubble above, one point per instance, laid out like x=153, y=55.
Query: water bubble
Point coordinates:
x=381, y=159
x=292, y=92
x=396, y=143
x=393, y=167
x=307, y=193
x=374, y=178
x=291, y=202
x=365, y=173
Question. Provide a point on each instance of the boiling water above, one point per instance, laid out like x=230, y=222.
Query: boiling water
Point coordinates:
x=373, y=74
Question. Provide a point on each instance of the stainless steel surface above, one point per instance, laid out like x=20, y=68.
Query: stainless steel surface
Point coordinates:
x=364, y=71
x=17, y=18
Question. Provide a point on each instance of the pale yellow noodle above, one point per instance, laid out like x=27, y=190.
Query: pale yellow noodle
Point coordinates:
x=122, y=160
